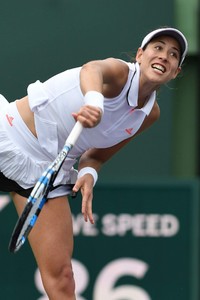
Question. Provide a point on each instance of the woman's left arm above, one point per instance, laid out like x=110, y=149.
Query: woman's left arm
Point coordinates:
x=95, y=158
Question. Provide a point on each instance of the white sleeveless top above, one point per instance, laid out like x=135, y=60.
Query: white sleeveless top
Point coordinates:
x=54, y=100
x=23, y=158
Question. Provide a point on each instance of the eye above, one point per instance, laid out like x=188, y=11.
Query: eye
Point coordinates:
x=174, y=54
x=158, y=47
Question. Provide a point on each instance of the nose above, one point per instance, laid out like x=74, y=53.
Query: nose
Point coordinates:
x=163, y=55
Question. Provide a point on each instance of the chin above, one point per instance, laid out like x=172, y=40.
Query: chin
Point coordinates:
x=157, y=78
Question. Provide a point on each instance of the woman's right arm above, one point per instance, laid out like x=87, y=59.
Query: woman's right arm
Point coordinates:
x=99, y=79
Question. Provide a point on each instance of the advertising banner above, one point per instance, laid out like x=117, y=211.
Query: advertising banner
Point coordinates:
x=143, y=246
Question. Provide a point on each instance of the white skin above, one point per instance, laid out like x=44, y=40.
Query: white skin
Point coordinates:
x=52, y=237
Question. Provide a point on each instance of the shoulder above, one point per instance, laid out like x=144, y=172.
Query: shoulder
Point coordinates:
x=155, y=112
x=153, y=116
x=119, y=64
x=150, y=119
x=108, y=64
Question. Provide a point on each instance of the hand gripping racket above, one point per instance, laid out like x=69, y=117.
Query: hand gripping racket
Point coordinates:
x=38, y=196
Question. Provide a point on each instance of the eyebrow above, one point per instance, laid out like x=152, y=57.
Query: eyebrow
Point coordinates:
x=160, y=41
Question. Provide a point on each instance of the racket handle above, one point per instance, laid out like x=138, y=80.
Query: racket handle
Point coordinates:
x=74, y=134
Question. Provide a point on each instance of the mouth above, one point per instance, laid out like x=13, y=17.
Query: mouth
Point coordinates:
x=159, y=67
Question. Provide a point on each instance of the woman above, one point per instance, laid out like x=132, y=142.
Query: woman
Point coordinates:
x=115, y=101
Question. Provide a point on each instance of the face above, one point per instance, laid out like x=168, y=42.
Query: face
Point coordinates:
x=159, y=62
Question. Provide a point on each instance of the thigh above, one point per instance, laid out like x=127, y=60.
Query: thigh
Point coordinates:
x=51, y=239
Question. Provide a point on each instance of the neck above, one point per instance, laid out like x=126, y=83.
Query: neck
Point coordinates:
x=145, y=91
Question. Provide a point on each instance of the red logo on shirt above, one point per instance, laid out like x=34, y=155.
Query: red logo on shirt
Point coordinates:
x=10, y=119
x=129, y=130
x=132, y=110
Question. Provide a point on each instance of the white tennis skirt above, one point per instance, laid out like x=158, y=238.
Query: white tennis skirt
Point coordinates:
x=18, y=163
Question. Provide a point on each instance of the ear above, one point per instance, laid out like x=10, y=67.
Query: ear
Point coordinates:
x=139, y=55
x=177, y=72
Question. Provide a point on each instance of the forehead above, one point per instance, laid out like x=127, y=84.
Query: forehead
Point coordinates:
x=167, y=40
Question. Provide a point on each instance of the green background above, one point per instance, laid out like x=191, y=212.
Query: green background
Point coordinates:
x=44, y=37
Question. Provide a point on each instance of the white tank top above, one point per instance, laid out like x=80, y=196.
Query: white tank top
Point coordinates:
x=54, y=101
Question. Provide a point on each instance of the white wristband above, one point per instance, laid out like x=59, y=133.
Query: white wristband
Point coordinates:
x=95, y=99
x=88, y=170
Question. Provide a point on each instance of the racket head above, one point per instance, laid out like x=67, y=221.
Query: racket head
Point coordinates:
x=29, y=216
x=25, y=224
x=38, y=196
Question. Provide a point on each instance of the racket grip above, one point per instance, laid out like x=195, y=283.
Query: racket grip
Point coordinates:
x=74, y=134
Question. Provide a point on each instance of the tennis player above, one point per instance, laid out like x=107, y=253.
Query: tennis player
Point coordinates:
x=115, y=101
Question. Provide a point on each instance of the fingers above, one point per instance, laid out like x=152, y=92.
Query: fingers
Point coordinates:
x=87, y=208
x=89, y=116
x=85, y=184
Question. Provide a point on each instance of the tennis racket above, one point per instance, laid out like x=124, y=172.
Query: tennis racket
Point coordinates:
x=38, y=196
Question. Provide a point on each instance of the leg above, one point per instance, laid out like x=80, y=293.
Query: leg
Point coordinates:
x=51, y=240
